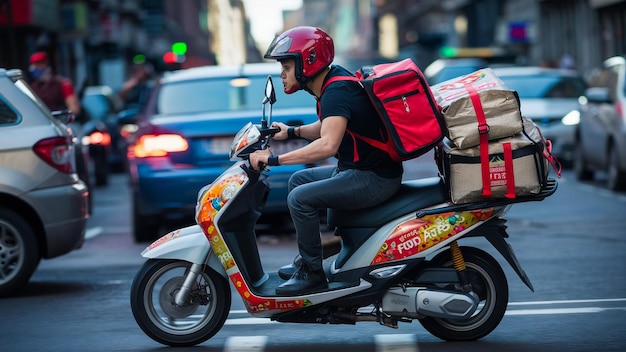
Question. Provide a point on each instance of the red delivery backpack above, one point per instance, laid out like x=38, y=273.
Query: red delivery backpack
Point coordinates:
x=405, y=104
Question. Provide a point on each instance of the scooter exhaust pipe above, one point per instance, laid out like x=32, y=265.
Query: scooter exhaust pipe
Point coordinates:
x=414, y=302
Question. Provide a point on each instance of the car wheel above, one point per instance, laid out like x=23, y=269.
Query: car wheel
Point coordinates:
x=19, y=253
x=145, y=229
x=580, y=164
x=616, y=177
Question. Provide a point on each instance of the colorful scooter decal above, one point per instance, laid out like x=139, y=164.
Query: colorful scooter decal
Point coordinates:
x=417, y=235
x=211, y=202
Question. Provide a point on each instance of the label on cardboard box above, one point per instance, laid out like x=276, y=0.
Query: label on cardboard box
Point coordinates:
x=453, y=89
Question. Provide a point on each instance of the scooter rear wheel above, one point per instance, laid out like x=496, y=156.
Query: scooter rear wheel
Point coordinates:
x=152, y=302
x=489, y=282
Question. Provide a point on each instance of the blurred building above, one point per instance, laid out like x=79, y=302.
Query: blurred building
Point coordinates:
x=96, y=41
x=587, y=31
x=577, y=34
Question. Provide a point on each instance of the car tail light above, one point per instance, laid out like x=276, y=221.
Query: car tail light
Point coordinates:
x=620, y=109
x=56, y=152
x=151, y=145
x=99, y=138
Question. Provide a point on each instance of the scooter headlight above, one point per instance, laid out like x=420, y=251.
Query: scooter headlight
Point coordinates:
x=247, y=136
x=213, y=197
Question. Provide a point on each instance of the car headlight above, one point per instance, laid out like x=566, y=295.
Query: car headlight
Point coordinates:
x=571, y=118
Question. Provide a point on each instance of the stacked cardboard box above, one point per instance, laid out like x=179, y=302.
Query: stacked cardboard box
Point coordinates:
x=508, y=160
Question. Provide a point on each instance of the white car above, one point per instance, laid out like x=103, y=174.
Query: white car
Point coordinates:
x=547, y=95
x=601, y=136
x=43, y=202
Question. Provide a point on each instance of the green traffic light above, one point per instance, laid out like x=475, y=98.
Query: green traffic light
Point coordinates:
x=447, y=51
x=139, y=59
x=179, y=48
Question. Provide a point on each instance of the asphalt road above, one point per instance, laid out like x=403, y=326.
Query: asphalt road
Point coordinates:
x=571, y=245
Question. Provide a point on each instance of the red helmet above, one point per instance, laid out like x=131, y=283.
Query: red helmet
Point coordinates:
x=312, y=49
x=38, y=57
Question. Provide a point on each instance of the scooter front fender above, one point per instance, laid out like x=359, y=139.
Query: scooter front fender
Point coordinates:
x=188, y=244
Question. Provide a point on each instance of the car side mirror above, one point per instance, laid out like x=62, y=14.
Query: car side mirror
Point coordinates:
x=64, y=116
x=127, y=120
x=128, y=116
x=598, y=95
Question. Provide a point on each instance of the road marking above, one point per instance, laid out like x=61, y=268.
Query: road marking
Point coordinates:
x=245, y=343
x=93, y=232
x=573, y=301
x=249, y=321
x=581, y=310
x=383, y=342
x=396, y=343
x=509, y=312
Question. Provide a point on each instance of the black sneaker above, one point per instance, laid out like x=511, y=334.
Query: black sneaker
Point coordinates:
x=303, y=281
x=286, y=272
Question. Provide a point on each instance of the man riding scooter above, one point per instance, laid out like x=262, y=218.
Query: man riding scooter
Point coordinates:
x=364, y=176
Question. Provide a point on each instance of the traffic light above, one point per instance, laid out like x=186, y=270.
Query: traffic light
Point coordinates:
x=176, y=55
x=486, y=52
x=139, y=59
x=169, y=58
x=447, y=51
x=179, y=48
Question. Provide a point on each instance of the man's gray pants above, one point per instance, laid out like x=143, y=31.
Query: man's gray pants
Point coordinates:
x=315, y=189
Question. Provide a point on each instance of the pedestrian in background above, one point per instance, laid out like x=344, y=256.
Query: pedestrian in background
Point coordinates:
x=55, y=91
x=136, y=89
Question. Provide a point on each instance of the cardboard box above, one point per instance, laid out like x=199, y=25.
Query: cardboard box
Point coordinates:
x=500, y=105
x=462, y=168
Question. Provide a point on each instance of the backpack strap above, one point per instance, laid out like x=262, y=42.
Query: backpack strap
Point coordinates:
x=329, y=81
x=337, y=78
x=547, y=153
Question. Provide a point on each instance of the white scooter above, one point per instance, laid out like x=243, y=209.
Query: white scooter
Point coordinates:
x=399, y=261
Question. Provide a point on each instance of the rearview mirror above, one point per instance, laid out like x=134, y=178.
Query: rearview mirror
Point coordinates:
x=270, y=94
x=66, y=117
x=270, y=97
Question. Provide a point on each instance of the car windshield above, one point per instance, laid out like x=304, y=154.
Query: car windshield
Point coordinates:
x=544, y=86
x=224, y=94
x=451, y=72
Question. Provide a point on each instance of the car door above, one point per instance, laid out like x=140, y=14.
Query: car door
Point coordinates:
x=597, y=120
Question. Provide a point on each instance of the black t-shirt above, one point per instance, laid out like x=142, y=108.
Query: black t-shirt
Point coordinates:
x=348, y=99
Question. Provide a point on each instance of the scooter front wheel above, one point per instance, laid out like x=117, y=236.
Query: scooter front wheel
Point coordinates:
x=489, y=282
x=152, y=299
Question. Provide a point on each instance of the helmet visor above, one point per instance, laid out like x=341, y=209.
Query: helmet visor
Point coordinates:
x=279, y=48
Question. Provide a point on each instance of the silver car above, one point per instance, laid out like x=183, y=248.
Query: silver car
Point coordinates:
x=547, y=95
x=601, y=134
x=43, y=203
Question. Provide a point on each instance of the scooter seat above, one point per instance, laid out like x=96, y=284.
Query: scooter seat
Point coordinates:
x=412, y=196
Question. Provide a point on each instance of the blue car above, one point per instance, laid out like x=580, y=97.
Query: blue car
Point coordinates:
x=183, y=136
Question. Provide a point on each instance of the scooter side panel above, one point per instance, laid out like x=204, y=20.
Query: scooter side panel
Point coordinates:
x=411, y=237
x=418, y=235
